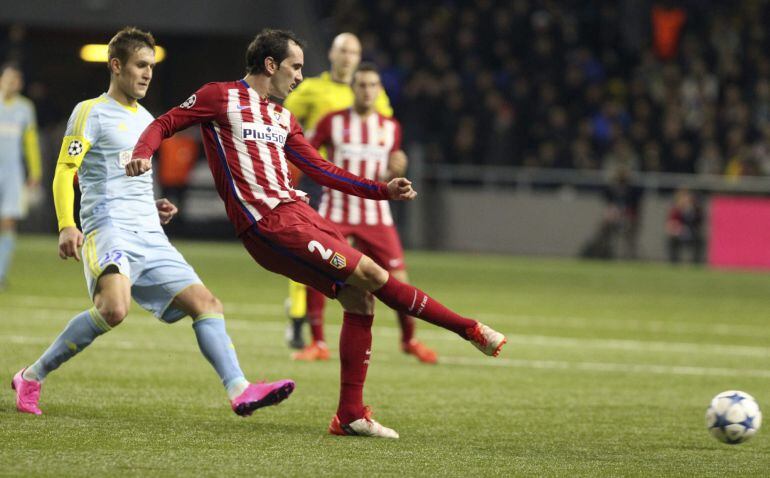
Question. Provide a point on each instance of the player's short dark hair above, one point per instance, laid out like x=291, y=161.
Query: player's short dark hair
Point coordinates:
x=364, y=67
x=10, y=65
x=126, y=42
x=269, y=43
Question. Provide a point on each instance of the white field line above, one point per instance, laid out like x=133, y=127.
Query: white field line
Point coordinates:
x=608, y=367
x=605, y=367
x=241, y=326
x=721, y=330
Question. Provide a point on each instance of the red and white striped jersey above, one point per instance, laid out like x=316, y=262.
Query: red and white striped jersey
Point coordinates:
x=248, y=141
x=362, y=146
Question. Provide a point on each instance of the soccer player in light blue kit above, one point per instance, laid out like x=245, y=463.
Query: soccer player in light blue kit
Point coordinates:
x=18, y=137
x=125, y=251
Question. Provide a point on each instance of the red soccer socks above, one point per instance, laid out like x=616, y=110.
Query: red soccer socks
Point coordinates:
x=355, y=350
x=408, y=299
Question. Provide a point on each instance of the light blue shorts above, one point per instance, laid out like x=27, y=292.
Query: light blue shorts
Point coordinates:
x=157, y=271
x=11, y=191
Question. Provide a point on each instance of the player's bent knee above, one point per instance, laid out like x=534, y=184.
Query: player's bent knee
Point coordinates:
x=368, y=275
x=357, y=301
x=214, y=305
x=113, y=314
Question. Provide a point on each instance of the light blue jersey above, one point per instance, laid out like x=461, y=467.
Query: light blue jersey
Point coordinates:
x=18, y=141
x=118, y=214
x=103, y=133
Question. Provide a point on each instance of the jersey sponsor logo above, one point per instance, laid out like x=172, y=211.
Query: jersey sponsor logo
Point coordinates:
x=368, y=151
x=263, y=132
x=189, y=102
x=338, y=261
x=124, y=157
x=75, y=148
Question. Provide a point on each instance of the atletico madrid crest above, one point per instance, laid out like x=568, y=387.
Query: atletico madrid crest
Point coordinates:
x=338, y=261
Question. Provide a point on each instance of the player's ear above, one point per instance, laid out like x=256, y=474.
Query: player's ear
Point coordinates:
x=270, y=65
x=114, y=65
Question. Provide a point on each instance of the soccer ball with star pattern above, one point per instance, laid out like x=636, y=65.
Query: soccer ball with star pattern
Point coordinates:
x=733, y=417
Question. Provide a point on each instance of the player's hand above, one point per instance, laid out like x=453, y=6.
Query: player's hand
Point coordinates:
x=70, y=242
x=166, y=210
x=400, y=189
x=397, y=163
x=138, y=166
x=33, y=183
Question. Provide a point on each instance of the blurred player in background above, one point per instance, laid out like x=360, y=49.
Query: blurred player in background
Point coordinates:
x=248, y=141
x=18, y=137
x=366, y=143
x=313, y=99
x=126, y=253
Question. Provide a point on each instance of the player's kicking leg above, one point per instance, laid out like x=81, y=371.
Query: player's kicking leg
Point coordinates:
x=409, y=344
x=209, y=325
x=111, y=303
x=353, y=417
x=407, y=299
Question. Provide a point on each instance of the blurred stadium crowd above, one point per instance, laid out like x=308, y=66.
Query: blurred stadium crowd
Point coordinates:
x=672, y=86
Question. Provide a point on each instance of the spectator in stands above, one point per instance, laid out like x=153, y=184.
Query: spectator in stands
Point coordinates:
x=683, y=227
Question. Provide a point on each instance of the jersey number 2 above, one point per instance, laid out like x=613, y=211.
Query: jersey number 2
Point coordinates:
x=313, y=246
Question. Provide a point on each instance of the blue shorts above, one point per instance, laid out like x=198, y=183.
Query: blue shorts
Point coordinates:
x=11, y=194
x=157, y=271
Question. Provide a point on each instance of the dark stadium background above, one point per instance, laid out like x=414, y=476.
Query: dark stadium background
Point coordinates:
x=524, y=109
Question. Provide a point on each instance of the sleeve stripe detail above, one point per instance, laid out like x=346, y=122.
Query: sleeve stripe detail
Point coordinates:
x=85, y=110
x=332, y=175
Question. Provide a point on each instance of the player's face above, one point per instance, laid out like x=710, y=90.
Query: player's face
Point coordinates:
x=135, y=76
x=345, y=56
x=366, y=88
x=11, y=81
x=289, y=73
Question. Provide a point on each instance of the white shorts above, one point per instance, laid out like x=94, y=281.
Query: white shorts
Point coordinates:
x=11, y=194
x=157, y=271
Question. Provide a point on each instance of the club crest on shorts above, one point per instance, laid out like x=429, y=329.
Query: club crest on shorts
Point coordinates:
x=338, y=261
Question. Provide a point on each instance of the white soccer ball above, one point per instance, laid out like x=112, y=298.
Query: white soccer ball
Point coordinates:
x=733, y=417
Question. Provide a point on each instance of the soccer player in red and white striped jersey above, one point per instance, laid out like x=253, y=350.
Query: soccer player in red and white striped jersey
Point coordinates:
x=248, y=140
x=366, y=143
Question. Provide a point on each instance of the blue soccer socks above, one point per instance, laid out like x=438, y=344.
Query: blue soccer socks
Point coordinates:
x=77, y=335
x=218, y=349
x=7, y=243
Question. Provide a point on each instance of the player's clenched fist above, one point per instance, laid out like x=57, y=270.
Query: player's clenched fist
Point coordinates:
x=138, y=166
x=70, y=242
x=400, y=189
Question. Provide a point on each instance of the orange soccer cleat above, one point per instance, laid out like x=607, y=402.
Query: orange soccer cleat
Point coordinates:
x=419, y=350
x=314, y=351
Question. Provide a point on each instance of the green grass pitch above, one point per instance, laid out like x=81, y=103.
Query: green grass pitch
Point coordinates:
x=608, y=372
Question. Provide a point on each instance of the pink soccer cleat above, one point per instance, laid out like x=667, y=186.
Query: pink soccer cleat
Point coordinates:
x=262, y=394
x=27, y=394
x=485, y=339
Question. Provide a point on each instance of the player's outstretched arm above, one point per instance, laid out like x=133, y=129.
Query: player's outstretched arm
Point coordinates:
x=198, y=108
x=300, y=152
